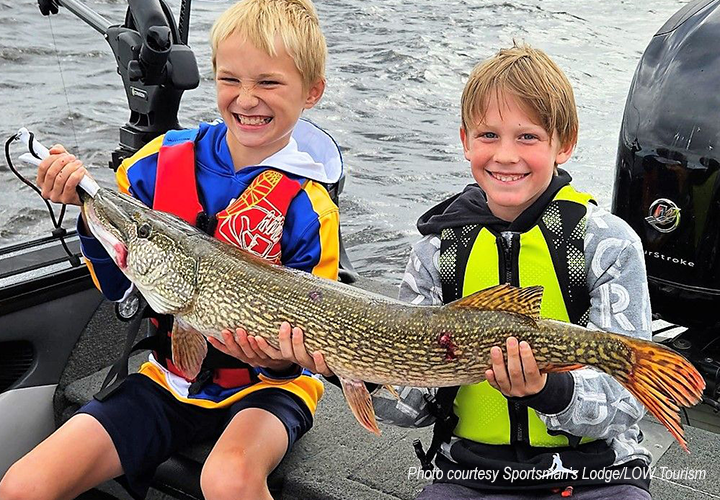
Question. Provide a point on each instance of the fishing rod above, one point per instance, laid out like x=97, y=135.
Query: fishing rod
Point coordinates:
x=154, y=62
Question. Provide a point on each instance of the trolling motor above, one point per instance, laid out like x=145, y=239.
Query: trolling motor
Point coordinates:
x=154, y=61
x=667, y=179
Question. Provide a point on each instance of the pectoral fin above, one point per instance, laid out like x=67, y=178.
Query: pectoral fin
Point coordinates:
x=189, y=349
x=360, y=403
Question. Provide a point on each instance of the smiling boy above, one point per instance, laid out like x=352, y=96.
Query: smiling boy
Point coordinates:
x=254, y=181
x=523, y=223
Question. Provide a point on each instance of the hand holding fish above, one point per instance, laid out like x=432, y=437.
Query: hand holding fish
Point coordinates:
x=522, y=376
x=246, y=348
x=58, y=176
x=292, y=348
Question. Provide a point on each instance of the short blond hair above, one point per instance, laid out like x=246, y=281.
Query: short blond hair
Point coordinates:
x=534, y=79
x=295, y=21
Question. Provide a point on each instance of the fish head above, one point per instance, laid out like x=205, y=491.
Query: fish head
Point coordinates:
x=154, y=249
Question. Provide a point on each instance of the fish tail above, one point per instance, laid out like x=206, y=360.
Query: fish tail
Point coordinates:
x=663, y=380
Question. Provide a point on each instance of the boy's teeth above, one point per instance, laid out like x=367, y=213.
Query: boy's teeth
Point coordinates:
x=253, y=120
x=507, y=178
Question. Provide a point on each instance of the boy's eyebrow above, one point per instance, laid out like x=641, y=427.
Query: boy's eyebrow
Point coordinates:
x=262, y=76
x=269, y=75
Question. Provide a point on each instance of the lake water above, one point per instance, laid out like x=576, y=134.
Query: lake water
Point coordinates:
x=395, y=73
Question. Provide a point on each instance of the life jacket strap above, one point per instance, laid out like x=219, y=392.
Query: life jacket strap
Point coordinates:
x=440, y=407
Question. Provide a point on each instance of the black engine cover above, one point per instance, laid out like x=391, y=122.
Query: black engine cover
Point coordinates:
x=667, y=185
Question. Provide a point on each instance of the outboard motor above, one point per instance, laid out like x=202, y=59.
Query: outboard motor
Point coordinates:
x=667, y=178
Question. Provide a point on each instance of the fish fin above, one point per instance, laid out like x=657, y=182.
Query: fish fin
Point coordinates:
x=189, y=349
x=556, y=368
x=360, y=403
x=392, y=391
x=662, y=380
x=525, y=301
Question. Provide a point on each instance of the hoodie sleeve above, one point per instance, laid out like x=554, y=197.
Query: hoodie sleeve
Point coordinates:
x=421, y=283
x=619, y=302
x=136, y=176
x=420, y=286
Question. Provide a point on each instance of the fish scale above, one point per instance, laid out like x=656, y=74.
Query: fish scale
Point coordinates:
x=210, y=286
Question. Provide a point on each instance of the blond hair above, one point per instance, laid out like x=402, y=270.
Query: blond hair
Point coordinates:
x=534, y=80
x=260, y=21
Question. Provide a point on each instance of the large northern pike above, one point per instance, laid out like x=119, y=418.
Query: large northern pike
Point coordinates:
x=210, y=286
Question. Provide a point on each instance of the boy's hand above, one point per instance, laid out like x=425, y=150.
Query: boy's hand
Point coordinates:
x=59, y=175
x=246, y=348
x=521, y=377
x=292, y=348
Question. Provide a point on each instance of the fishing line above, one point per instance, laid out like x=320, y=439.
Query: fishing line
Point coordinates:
x=58, y=232
x=62, y=79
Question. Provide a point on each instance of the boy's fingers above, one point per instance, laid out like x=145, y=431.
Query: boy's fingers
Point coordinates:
x=54, y=180
x=219, y=346
x=498, y=369
x=529, y=365
x=75, y=172
x=285, y=340
x=241, y=338
x=55, y=152
x=534, y=379
x=257, y=352
x=320, y=365
x=514, y=364
x=267, y=349
x=490, y=377
x=298, y=344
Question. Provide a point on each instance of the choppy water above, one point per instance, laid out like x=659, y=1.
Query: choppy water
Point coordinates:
x=395, y=73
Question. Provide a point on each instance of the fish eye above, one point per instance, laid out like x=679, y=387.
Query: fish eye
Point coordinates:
x=144, y=231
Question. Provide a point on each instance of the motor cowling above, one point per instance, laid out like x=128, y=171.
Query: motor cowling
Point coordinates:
x=667, y=177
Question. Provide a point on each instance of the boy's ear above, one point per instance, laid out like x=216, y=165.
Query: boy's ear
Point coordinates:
x=564, y=153
x=463, y=139
x=315, y=92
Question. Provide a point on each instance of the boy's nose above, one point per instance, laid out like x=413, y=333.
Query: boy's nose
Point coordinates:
x=246, y=97
x=506, y=154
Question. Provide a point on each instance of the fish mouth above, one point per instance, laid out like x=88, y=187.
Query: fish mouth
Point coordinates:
x=114, y=246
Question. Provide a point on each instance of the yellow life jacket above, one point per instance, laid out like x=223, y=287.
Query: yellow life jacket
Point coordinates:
x=551, y=254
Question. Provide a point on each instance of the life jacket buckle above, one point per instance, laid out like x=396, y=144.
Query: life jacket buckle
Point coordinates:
x=199, y=382
x=425, y=461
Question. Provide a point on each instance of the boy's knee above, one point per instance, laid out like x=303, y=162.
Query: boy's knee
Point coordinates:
x=239, y=479
x=18, y=485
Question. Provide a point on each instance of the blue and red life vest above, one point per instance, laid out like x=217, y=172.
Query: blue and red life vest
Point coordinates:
x=253, y=222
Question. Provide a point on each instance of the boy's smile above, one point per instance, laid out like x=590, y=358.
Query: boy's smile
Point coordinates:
x=260, y=98
x=511, y=156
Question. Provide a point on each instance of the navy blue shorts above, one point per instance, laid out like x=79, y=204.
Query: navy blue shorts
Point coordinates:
x=147, y=424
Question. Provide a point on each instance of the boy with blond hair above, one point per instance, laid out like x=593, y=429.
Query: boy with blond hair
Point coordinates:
x=254, y=181
x=523, y=433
